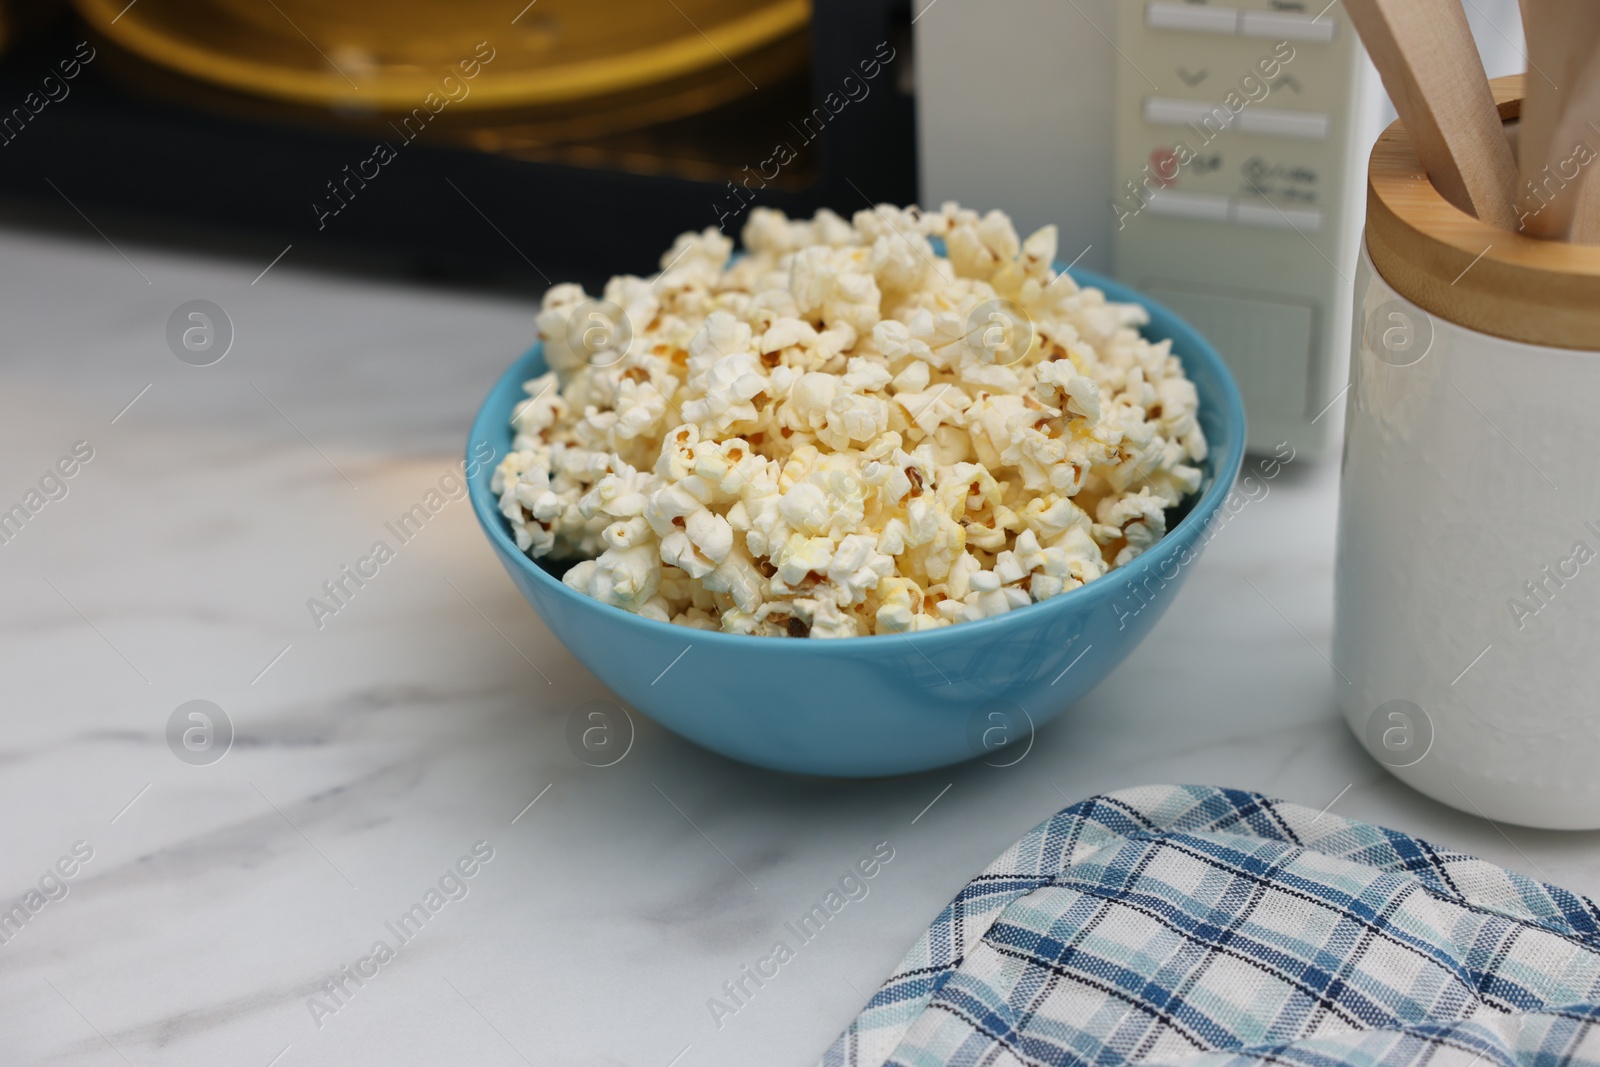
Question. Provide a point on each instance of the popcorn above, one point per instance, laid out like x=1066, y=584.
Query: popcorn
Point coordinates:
x=818, y=440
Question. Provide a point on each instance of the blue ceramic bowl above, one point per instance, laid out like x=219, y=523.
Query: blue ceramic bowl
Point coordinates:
x=883, y=705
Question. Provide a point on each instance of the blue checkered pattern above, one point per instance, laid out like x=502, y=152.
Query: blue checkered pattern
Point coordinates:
x=1220, y=928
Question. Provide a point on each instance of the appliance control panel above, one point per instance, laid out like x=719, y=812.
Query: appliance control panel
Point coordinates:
x=1240, y=138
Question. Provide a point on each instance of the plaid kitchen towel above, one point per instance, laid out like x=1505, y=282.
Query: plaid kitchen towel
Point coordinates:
x=1220, y=928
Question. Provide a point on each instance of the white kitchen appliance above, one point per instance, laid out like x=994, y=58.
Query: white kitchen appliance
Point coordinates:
x=1209, y=154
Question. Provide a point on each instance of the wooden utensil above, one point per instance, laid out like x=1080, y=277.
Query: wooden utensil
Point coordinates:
x=1581, y=123
x=1429, y=62
x=1562, y=84
x=1586, y=217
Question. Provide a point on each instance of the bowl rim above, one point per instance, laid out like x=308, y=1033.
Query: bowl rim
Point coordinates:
x=1087, y=596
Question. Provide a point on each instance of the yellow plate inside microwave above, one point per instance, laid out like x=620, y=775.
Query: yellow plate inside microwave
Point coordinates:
x=384, y=55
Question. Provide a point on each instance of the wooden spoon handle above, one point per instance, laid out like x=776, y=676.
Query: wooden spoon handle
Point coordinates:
x=1554, y=141
x=1429, y=62
x=1586, y=216
x=1562, y=87
x=1580, y=128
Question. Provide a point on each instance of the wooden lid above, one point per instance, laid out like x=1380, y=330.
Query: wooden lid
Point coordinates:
x=1469, y=272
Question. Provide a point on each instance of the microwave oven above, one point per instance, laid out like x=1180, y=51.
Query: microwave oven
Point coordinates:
x=1207, y=152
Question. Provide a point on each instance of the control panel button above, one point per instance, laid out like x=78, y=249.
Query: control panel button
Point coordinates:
x=1288, y=26
x=1268, y=121
x=1166, y=111
x=1266, y=340
x=1256, y=213
x=1281, y=122
x=1212, y=207
x=1165, y=15
x=1188, y=205
x=1231, y=21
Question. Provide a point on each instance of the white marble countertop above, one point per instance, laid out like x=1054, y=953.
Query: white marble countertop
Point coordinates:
x=372, y=754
